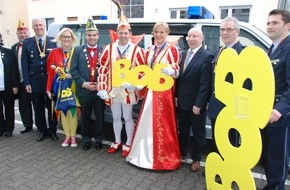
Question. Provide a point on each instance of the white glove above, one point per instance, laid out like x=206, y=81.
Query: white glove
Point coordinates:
x=139, y=87
x=128, y=86
x=103, y=94
x=168, y=71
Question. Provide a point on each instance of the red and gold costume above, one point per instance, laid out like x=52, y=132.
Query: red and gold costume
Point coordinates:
x=109, y=56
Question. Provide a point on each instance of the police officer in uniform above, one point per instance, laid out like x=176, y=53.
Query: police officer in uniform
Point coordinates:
x=34, y=56
x=276, y=135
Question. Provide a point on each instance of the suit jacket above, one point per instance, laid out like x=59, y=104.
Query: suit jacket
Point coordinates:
x=281, y=66
x=215, y=106
x=80, y=70
x=194, y=83
x=14, y=49
x=11, y=73
x=34, y=67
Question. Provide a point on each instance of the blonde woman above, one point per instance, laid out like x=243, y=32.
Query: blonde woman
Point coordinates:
x=59, y=61
x=155, y=145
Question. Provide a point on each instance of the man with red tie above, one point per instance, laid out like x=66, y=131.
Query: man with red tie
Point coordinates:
x=24, y=98
x=84, y=71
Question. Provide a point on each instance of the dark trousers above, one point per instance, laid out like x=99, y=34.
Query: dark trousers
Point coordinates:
x=275, y=156
x=6, y=112
x=40, y=102
x=89, y=104
x=25, y=106
x=187, y=121
x=233, y=137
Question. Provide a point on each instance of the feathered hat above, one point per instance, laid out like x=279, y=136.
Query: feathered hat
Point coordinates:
x=123, y=20
x=91, y=26
x=21, y=25
x=123, y=24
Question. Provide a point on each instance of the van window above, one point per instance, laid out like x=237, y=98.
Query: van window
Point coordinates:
x=212, y=38
x=79, y=31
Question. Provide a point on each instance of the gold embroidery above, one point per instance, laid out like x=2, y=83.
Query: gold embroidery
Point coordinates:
x=160, y=131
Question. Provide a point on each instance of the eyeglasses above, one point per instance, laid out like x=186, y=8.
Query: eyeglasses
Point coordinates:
x=66, y=37
x=228, y=30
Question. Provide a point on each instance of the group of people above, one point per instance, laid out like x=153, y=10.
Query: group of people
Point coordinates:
x=156, y=141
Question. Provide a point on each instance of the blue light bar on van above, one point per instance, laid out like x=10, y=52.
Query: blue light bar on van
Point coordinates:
x=199, y=12
x=103, y=17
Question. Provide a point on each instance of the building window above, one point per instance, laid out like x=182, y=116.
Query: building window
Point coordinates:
x=99, y=17
x=173, y=14
x=133, y=8
x=241, y=13
x=180, y=13
x=72, y=18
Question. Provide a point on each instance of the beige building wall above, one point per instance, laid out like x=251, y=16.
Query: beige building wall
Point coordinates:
x=10, y=12
x=62, y=9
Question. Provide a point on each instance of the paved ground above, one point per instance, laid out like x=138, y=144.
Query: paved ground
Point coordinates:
x=27, y=164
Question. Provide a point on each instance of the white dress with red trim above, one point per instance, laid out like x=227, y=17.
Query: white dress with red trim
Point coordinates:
x=155, y=145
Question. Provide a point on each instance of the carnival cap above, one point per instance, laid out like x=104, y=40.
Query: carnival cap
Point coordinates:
x=91, y=26
x=123, y=20
x=123, y=23
x=21, y=25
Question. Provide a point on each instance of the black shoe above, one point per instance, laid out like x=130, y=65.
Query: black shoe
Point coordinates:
x=26, y=130
x=87, y=146
x=53, y=136
x=1, y=134
x=40, y=136
x=8, y=134
x=99, y=145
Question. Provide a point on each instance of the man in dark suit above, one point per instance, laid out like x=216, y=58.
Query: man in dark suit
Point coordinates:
x=84, y=71
x=34, y=56
x=9, y=82
x=276, y=135
x=193, y=92
x=24, y=98
x=229, y=32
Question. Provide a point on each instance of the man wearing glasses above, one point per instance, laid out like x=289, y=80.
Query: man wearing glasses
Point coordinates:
x=229, y=32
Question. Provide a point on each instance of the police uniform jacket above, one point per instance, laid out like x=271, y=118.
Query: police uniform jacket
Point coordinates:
x=34, y=67
x=280, y=59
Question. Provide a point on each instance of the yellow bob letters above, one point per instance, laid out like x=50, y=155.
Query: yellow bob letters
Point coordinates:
x=141, y=75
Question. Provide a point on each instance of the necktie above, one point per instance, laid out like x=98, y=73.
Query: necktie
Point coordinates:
x=270, y=50
x=40, y=44
x=187, y=59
